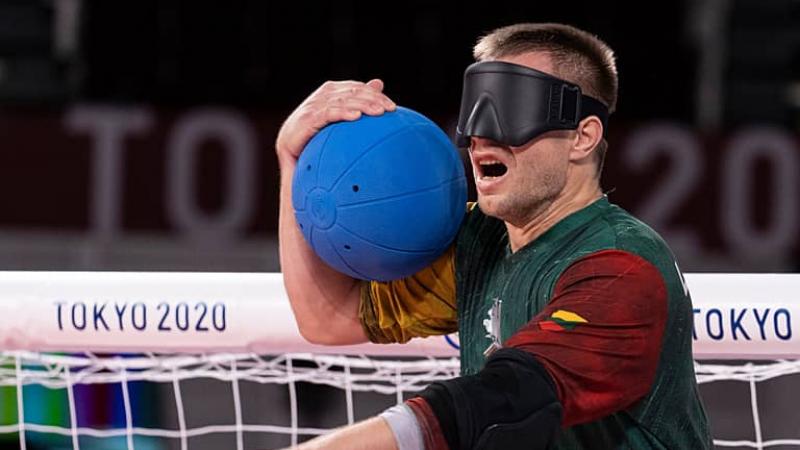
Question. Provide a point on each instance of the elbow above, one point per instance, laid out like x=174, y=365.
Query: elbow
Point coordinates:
x=313, y=335
x=325, y=322
x=328, y=334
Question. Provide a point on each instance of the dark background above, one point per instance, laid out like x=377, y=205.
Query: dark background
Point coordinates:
x=98, y=100
x=697, y=81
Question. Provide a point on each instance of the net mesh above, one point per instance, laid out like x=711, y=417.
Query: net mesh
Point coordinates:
x=352, y=375
x=346, y=373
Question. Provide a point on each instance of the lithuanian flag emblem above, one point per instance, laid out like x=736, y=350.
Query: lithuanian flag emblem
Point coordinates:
x=562, y=320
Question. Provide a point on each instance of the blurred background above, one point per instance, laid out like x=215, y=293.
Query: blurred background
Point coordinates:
x=138, y=134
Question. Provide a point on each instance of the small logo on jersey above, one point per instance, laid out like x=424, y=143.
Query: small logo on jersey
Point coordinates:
x=562, y=320
x=492, y=326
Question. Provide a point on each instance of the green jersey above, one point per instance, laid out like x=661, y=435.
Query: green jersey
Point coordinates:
x=598, y=299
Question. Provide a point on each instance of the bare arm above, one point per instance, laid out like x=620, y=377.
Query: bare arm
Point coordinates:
x=371, y=434
x=325, y=302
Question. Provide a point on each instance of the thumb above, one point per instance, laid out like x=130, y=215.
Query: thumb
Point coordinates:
x=376, y=84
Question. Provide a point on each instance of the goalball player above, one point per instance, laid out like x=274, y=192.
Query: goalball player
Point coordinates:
x=573, y=317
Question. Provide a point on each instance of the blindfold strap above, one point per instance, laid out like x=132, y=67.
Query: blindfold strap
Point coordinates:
x=593, y=107
x=565, y=109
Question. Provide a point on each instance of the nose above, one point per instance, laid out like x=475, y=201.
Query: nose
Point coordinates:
x=477, y=142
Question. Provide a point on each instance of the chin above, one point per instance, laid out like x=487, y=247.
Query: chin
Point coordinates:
x=492, y=207
x=503, y=208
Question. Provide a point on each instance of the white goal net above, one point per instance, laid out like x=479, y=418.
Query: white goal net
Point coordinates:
x=214, y=361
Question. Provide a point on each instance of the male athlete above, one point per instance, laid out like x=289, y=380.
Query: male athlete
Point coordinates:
x=574, y=322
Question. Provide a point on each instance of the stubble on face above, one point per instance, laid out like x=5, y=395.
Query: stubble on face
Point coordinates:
x=539, y=169
x=534, y=182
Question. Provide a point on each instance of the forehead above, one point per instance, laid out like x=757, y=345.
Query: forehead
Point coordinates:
x=540, y=61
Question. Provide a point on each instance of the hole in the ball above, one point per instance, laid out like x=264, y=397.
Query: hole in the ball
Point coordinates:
x=355, y=188
x=308, y=167
x=346, y=247
x=301, y=226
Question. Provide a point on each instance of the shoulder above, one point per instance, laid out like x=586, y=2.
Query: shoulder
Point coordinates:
x=631, y=235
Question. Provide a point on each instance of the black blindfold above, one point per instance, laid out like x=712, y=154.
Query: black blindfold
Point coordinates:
x=512, y=104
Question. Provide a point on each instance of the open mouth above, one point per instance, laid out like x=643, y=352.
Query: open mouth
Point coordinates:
x=492, y=169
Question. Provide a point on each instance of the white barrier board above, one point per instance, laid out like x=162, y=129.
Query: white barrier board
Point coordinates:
x=737, y=316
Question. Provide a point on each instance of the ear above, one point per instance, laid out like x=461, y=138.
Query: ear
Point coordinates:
x=588, y=134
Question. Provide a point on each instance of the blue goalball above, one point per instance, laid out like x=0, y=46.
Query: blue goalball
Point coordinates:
x=381, y=197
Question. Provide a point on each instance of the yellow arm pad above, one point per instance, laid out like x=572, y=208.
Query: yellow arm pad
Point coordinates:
x=423, y=304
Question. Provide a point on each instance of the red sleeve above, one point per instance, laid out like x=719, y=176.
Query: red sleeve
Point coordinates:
x=429, y=425
x=600, y=335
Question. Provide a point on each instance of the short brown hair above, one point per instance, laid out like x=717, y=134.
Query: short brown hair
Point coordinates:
x=578, y=56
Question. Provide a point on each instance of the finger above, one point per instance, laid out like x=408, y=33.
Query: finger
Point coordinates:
x=336, y=114
x=354, y=90
x=376, y=84
x=364, y=93
x=337, y=86
x=369, y=106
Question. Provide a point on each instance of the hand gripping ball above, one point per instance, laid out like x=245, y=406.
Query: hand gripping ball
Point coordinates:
x=381, y=197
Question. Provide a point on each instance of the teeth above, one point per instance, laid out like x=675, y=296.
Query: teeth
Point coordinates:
x=487, y=163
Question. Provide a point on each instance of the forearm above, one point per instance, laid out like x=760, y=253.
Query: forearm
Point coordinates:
x=371, y=434
x=325, y=302
x=510, y=404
